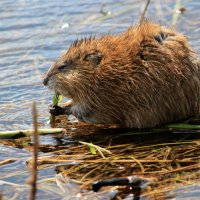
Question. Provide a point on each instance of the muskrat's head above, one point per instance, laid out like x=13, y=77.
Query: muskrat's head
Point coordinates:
x=75, y=69
x=94, y=70
x=90, y=69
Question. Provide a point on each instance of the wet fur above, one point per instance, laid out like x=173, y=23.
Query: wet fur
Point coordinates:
x=141, y=78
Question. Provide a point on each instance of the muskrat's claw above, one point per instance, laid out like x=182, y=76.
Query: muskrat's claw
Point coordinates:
x=56, y=110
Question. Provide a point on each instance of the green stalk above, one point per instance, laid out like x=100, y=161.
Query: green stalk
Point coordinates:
x=176, y=15
x=183, y=126
x=22, y=133
x=55, y=100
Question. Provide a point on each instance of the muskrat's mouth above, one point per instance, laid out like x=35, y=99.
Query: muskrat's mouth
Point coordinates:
x=57, y=86
x=52, y=84
x=60, y=94
x=64, y=93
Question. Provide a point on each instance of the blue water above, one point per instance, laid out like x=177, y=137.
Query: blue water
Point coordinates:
x=34, y=33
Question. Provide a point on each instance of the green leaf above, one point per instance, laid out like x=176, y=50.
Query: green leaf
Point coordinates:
x=96, y=148
x=56, y=99
x=92, y=150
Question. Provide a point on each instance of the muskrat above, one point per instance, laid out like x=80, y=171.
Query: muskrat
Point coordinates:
x=141, y=78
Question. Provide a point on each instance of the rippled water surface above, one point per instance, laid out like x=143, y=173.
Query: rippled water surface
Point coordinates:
x=34, y=33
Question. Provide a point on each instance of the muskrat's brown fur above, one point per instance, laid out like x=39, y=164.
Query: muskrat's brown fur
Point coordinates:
x=144, y=77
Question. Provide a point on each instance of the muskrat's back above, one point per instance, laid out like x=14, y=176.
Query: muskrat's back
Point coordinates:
x=144, y=77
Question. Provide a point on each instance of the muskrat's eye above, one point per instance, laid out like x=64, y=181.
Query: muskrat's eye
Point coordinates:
x=94, y=57
x=62, y=68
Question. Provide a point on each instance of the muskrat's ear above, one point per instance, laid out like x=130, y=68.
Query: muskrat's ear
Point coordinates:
x=94, y=57
x=161, y=37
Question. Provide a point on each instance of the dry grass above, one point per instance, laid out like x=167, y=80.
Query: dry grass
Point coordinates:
x=169, y=158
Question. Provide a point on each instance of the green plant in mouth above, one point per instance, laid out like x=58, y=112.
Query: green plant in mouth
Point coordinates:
x=57, y=98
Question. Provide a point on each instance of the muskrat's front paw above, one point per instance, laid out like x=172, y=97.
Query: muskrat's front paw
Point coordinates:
x=56, y=110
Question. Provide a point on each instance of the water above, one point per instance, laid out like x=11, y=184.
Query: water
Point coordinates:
x=34, y=33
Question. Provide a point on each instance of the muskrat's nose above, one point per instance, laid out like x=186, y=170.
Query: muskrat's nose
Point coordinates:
x=45, y=80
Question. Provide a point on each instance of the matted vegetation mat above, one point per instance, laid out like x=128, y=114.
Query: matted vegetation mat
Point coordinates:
x=168, y=157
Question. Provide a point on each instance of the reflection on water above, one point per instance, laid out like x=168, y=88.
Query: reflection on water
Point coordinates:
x=34, y=33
